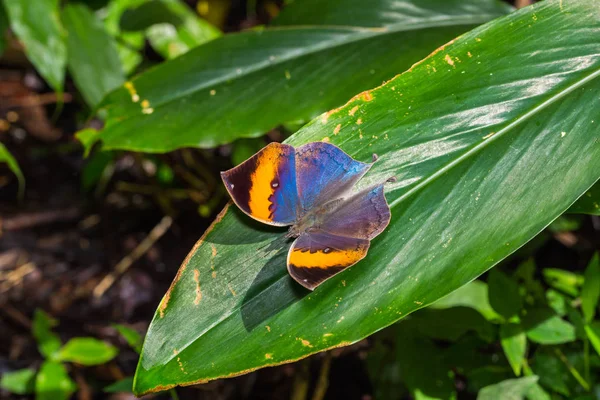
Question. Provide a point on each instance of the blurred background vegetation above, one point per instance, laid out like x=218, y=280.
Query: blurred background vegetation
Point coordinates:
x=89, y=245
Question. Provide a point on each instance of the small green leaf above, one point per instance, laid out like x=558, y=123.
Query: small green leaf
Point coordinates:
x=511, y=389
x=37, y=25
x=6, y=157
x=93, y=59
x=18, y=382
x=593, y=333
x=544, y=327
x=53, y=382
x=590, y=292
x=589, y=202
x=87, y=351
x=565, y=281
x=474, y=295
x=557, y=301
x=452, y=323
x=48, y=342
x=536, y=392
x=552, y=372
x=514, y=344
x=131, y=336
x=129, y=44
x=171, y=40
x=125, y=385
x=504, y=294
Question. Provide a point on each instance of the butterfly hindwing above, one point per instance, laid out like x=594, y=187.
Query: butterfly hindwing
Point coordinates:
x=324, y=173
x=264, y=186
x=363, y=215
x=317, y=256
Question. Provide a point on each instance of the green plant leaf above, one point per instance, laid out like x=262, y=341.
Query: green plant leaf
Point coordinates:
x=504, y=294
x=552, y=373
x=463, y=200
x=514, y=344
x=122, y=386
x=171, y=40
x=48, y=342
x=474, y=295
x=37, y=25
x=53, y=382
x=565, y=281
x=131, y=336
x=93, y=59
x=280, y=74
x=18, y=382
x=593, y=333
x=129, y=44
x=452, y=323
x=511, y=389
x=557, y=301
x=544, y=327
x=87, y=351
x=589, y=203
x=6, y=157
x=590, y=292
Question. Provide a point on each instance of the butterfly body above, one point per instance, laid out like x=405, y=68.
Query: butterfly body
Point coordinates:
x=307, y=188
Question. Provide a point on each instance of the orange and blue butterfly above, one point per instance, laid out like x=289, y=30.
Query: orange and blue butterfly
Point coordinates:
x=308, y=188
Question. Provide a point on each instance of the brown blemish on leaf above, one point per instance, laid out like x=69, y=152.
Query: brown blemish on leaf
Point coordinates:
x=269, y=356
x=449, y=60
x=353, y=111
x=231, y=289
x=181, y=365
x=213, y=254
x=175, y=351
x=268, y=328
x=160, y=388
x=198, y=291
x=359, y=121
x=165, y=300
x=337, y=128
x=304, y=342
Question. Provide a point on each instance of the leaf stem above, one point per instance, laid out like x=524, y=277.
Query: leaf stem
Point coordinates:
x=572, y=369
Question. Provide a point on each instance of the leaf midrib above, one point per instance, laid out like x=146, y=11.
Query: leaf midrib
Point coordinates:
x=361, y=33
x=476, y=149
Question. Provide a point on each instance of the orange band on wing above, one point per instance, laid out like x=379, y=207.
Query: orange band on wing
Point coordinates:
x=261, y=189
x=320, y=259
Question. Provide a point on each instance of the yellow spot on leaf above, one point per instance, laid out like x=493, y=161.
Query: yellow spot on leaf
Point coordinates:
x=469, y=54
x=359, y=121
x=181, y=365
x=198, y=292
x=353, y=110
x=344, y=283
x=449, y=60
x=304, y=342
x=489, y=135
x=146, y=109
x=268, y=356
x=214, y=274
x=268, y=328
x=478, y=39
x=337, y=128
x=213, y=92
x=563, y=134
x=231, y=289
x=132, y=92
x=288, y=76
x=327, y=334
x=325, y=139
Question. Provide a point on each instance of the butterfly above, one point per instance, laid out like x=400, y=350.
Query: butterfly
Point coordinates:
x=309, y=189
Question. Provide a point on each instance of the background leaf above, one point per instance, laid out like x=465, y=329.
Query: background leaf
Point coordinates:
x=6, y=157
x=474, y=295
x=589, y=203
x=590, y=292
x=463, y=132
x=122, y=386
x=93, y=59
x=504, y=294
x=87, y=351
x=195, y=100
x=53, y=382
x=512, y=389
x=133, y=338
x=42, y=35
x=48, y=342
x=171, y=40
x=514, y=344
x=18, y=382
x=593, y=333
x=545, y=328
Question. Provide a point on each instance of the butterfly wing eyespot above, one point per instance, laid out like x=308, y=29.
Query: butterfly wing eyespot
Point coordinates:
x=264, y=186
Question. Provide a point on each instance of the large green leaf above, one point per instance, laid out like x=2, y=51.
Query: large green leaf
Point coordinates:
x=490, y=139
x=504, y=294
x=93, y=59
x=37, y=25
x=241, y=85
x=514, y=344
